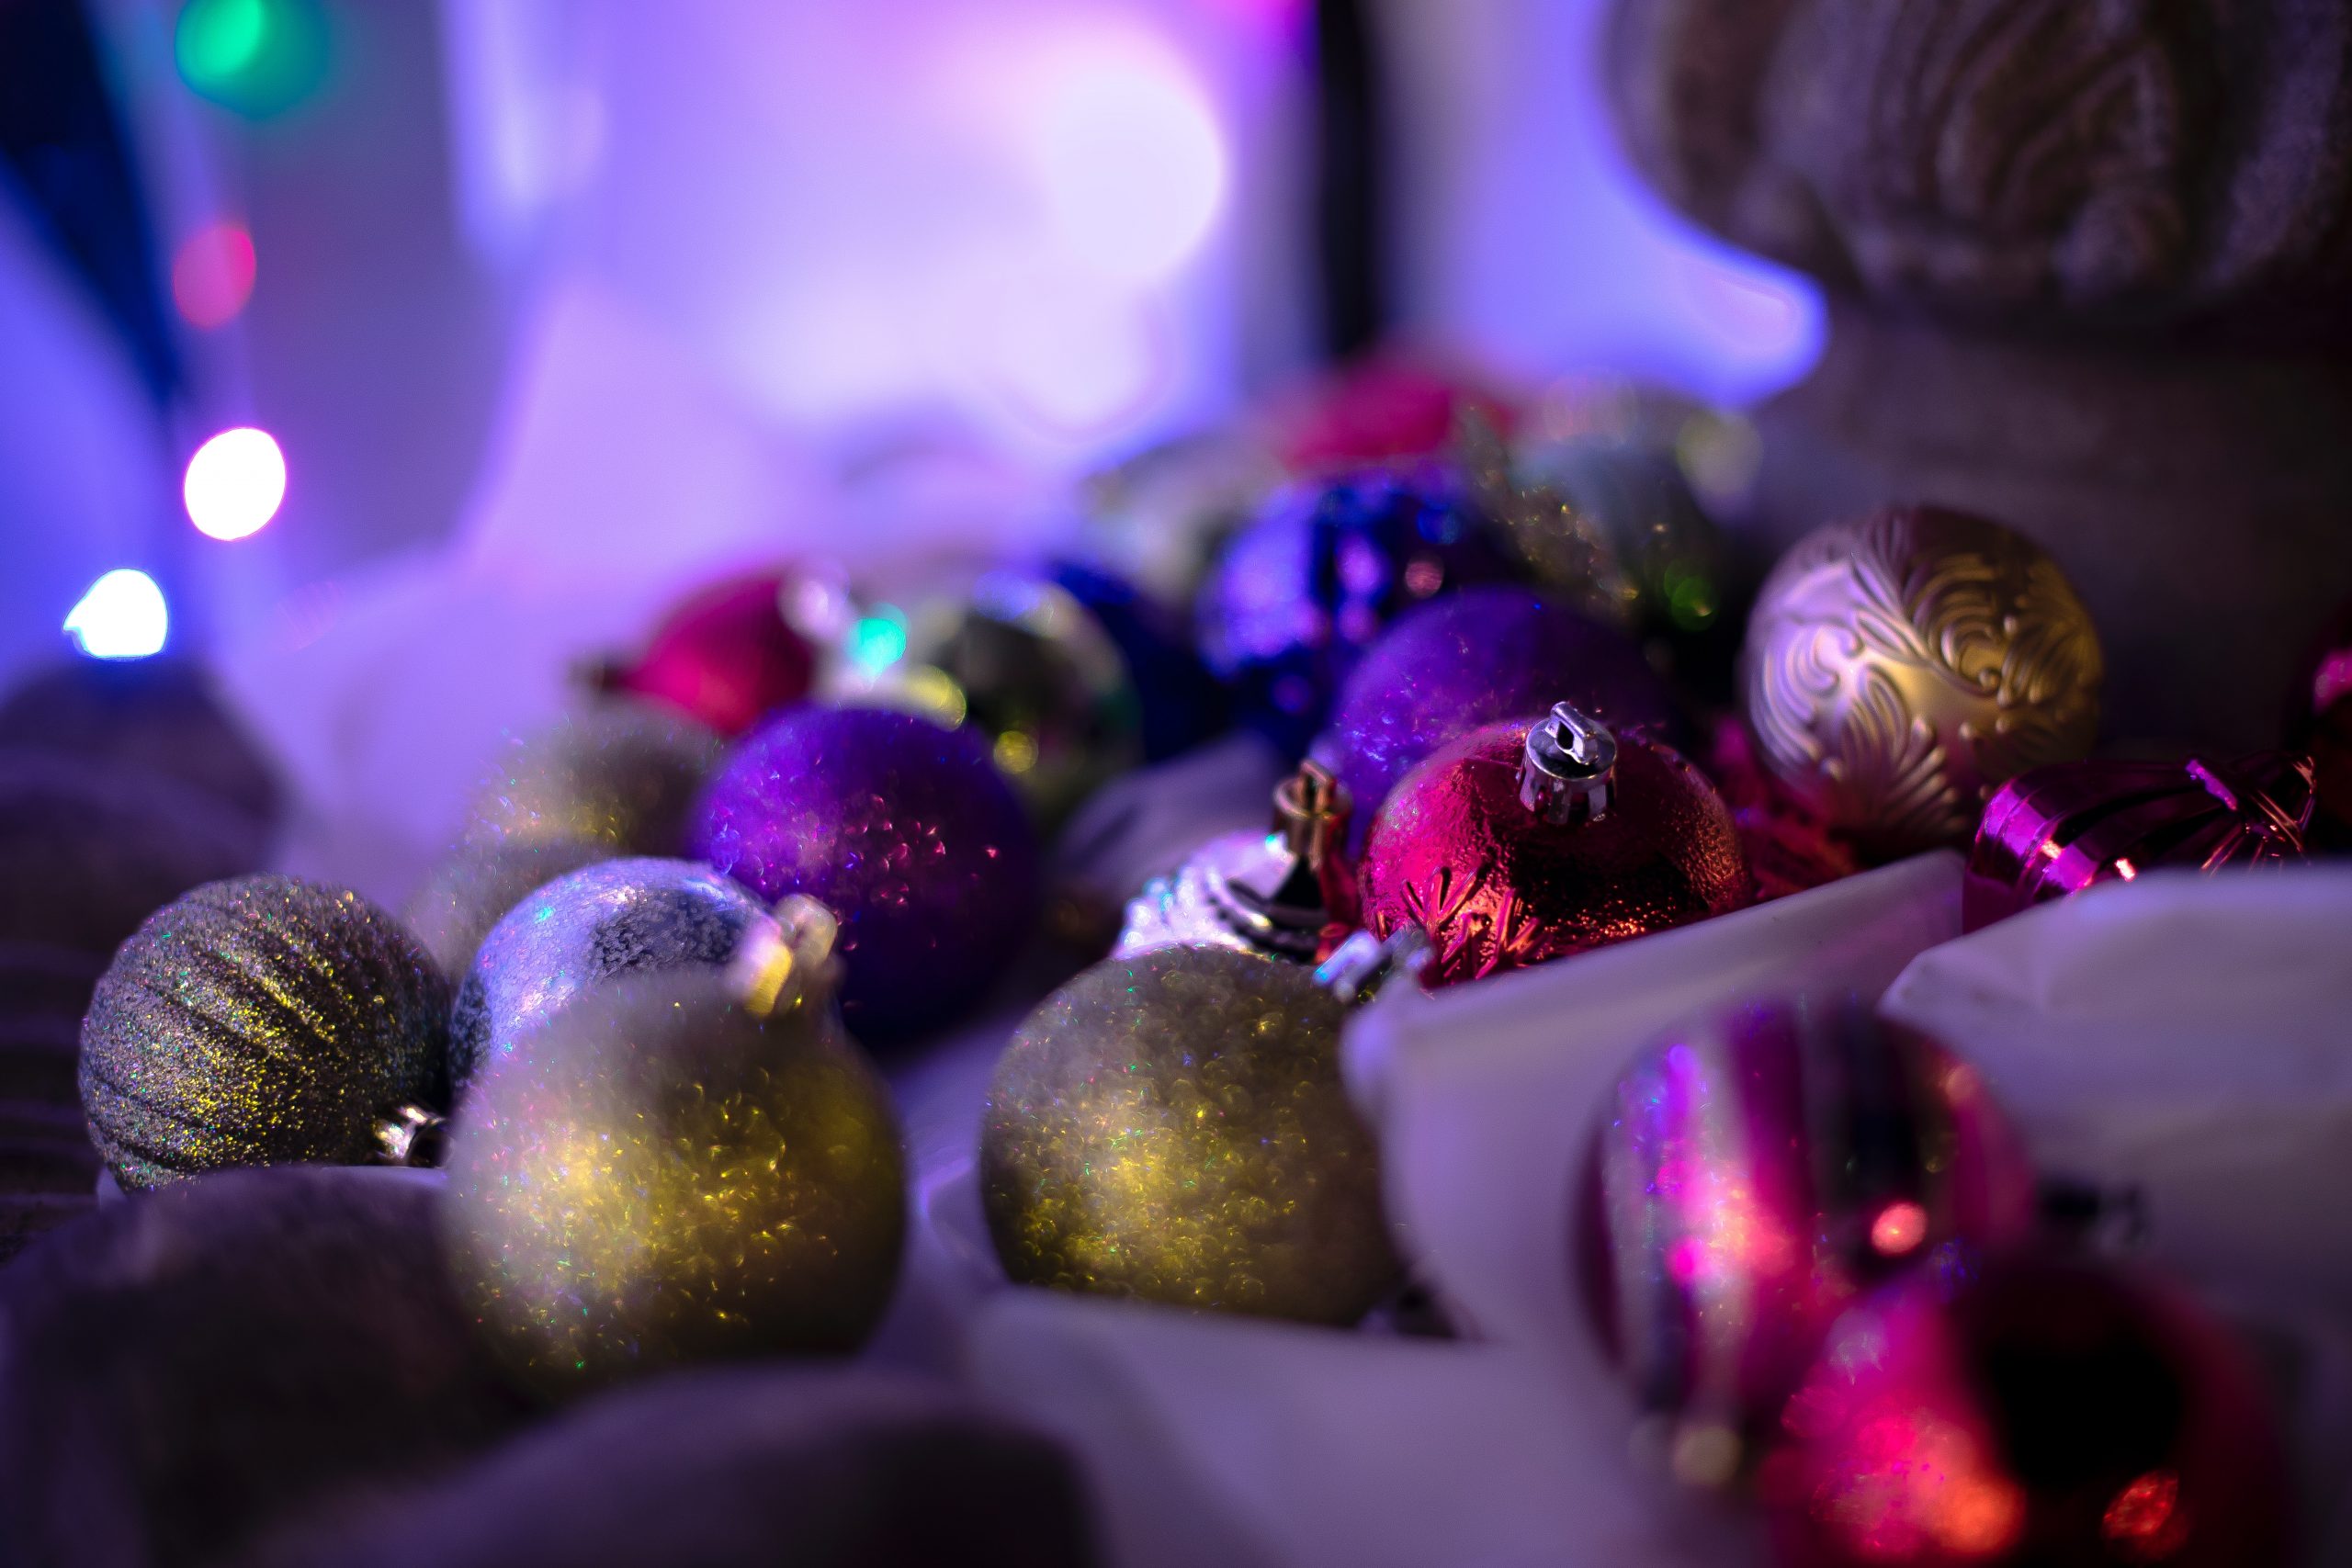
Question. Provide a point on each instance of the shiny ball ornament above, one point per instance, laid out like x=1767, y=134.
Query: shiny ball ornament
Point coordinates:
x=1022, y=664
x=1298, y=595
x=727, y=656
x=1472, y=659
x=906, y=831
x=1172, y=1127
x=262, y=1020
x=584, y=930
x=1753, y=1175
x=1523, y=842
x=668, y=1176
x=2032, y=1411
x=473, y=885
x=2059, y=829
x=1387, y=407
x=1900, y=669
x=1179, y=702
x=618, y=772
x=1288, y=893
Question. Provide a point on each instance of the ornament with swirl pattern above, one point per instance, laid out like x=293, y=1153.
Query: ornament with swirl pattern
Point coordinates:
x=1900, y=669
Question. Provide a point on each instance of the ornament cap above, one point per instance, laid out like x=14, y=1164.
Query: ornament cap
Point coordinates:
x=411, y=1136
x=786, y=959
x=1365, y=964
x=1570, y=773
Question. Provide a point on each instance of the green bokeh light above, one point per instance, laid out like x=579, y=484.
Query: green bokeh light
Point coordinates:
x=879, y=640
x=257, y=57
x=219, y=39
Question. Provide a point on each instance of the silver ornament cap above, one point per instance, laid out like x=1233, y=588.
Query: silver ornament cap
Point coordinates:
x=1569, y=773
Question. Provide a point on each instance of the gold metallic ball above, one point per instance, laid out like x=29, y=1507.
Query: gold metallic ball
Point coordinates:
x=1172, y=1127
x=1900, y=669
x=664, y=1178
x=617, y=773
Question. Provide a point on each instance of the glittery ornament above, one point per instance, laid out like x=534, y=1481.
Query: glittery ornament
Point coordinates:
x=726, y=656
x=2037, y=1411
x=473, y=886
x=684, y=1167
x=1019, y=661
x=619, y=772
x=2059, y=829
x=1901, y=669
x=585, y=929
x=261, y=1020
x=1472, y=659
x=1521, y=843
x=1297, y=596
x=1791, y=847
x=1172, y=1127
x=1181, y=703
x=1753, y=1175
x=905, y=830
x=1282, y=893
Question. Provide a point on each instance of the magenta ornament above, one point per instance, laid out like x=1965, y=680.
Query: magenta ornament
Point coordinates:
x=2059, y=829
x=906, y=831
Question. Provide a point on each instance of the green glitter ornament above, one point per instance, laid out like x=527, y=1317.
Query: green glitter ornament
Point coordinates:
x=261, y=1020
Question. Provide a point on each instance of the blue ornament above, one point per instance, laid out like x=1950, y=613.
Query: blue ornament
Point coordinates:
x=620, y=917
x=1183, y=704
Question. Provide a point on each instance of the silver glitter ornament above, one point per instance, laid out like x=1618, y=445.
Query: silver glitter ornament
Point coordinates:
x=618, y=772
x=1273, y=895
x=683, y=1167
x=474, y=885
x=261, y=1020
x=588, y=927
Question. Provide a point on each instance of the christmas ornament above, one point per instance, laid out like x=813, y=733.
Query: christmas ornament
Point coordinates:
x=618, y=772
x=2058, y=830
x=474, y=885
x=1789, y=846
x=156, y=716
x=581, y=932
x=1172, y=1127
x=1388, y=406
x=1300, y=592
x=1019, y=661
x=1159, y=516
x=726, y=656
x=684, y=1167
x=906, y=831
x=2032, y=1411
x=1182, y=704
x=1755, y=1173
x=261, y=1020
x=1523, y=842
x=1472, y=658
x=1276, y=895
x=1901, y=669
x=2319, y=724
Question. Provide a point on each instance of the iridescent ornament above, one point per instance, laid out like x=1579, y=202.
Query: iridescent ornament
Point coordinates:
x=584, y=930
x=1284, y=894
x=1172, y=1127
x=1297, y=596
x=261, y=1020
x=726, y=656
x=473, y=885
x=619, y=772
x=1901, y=669
x=685, y=1167
x=1754, y=1174
x=1472, y=659
x=2059, y=829
x=1019, y=661
x=1524, y=841
x=905, y=830
x=2035, y=1411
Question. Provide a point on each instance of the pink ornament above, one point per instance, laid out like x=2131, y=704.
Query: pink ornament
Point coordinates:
x=726, y=656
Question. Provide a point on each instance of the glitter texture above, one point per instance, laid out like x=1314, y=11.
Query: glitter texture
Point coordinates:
x=616, y=917
x=664, y=1178
x=474, y=885
x=905, y=831
x=1497, y=888
x=261, y=1020
x=1172, y=1127
x=620, y=773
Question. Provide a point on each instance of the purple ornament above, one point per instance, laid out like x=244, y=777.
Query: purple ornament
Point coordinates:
x=1476, y=658
x=906, y=831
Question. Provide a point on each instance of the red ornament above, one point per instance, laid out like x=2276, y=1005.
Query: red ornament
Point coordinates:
x=1791, y=847
x=2058, y=830
x=2030, y=1410
x=1523, y=842
x=725, y=655
x=1388, y=407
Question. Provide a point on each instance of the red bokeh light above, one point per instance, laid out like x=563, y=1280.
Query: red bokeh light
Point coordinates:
x=212, y=276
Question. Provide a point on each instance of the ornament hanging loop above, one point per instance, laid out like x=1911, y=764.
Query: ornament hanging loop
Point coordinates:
x=411, y=1136
x=1364, y=962
x=786, y=959
x=1569, y=773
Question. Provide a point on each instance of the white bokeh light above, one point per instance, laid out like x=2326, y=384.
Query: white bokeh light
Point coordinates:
x=121, y=616
x=235, y=483
x=1126, y=147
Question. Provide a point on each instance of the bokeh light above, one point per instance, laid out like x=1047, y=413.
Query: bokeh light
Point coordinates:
x=122, y=617
x=1900, y=1227
x=235, y=483
x=212, y=276
x=257, y=57
x=1126, y=147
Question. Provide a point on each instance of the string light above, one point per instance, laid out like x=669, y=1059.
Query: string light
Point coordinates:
x=235, y=483
x=121, y=616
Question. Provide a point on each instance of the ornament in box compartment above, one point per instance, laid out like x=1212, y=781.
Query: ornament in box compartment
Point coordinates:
x=1276, y=895
x=727, y=656
x=618, y=772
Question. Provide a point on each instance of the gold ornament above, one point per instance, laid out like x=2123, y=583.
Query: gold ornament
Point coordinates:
x=618, y=772
x=474, y=885
x=685, y=1166
x=1900, y=669
x=1172, y=1127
